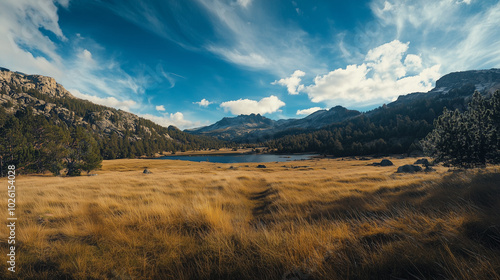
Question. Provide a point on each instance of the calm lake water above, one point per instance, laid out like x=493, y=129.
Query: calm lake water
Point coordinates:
x=240, y=158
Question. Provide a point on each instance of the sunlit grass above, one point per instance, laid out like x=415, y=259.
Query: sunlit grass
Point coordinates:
x=326, y=219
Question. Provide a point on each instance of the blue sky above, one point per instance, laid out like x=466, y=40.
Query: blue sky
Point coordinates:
x=191, y=62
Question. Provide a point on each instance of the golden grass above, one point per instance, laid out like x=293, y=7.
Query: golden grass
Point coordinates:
x=316, y=219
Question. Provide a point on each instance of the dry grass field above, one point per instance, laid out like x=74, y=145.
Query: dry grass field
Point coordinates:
x=316, y=219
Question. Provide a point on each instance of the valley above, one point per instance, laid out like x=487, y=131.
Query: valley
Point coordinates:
x=316, y=219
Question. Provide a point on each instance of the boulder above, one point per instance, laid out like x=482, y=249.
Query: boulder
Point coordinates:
x=408, y=168
x=261, y=166
x=429, y=169
x=423, y=161
x=146, y=171
x=386, y=162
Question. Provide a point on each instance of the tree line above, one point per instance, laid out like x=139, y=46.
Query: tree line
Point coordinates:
x=470, y=138
x=390, y=129
x=36, y=143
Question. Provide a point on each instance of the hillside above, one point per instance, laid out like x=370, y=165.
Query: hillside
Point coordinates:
x=256, y=128
x=396, y=127
x=35, y=109
x=392, y=128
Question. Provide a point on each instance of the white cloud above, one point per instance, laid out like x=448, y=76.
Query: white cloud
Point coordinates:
x=292, y=83
x=175, y=119
x=203, y=103
x=86, y=55
x=385, y=60
x=125, y=105
x=308, y=111
x=86, y=74
x=248, y=59
x=266, y=105
x=381, y=78
x=413, y=62
x=21, y=23
x=459, y=35
x=160, y=108
x=387, y=6
x=244, y=3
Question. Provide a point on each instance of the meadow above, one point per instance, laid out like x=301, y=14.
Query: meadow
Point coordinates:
x=314, y=219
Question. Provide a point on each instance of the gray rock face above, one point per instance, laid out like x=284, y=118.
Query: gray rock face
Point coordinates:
x=386, y=162
x=408, y=168
x=486, y=81
x=21, y=91
x=423, y=161
x=429, y=169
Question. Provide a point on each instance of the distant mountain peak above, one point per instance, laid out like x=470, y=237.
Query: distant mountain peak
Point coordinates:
x=255, y=126
x=245, y=127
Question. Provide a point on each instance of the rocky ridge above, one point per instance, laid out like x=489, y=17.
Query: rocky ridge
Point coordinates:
x=45, y=96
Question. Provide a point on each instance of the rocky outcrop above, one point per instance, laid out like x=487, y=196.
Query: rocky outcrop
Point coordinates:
x=408, y=168
x=15, y=81
x=384, y=162
x=45, y=96
x=423, y=161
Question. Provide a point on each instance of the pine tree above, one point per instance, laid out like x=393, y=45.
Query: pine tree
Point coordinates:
x=83, y=153
x=467, y=139
x=494, y=106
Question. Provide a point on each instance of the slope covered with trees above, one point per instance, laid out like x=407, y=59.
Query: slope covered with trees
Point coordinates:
x=44, y=128
x=470, y=138
x=393, y=128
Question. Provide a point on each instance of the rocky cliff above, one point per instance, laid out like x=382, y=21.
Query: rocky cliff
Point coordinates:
x=46, y=97
x=124, y=133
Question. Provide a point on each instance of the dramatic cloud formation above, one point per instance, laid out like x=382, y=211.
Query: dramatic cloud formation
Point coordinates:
x=266, y=105
x=20, y=24
x=203, y=103
x=385, y=74
x=160, y=108
x=370, y=53
x=447, y=32
x=28, y=49
x=292, y=83
x=308, y=111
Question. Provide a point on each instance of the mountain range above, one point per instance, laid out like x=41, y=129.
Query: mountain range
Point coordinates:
x=119, y=134
x=251, y=128
x=456, y=87
x=395, y=127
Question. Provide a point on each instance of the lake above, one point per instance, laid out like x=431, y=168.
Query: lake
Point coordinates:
x=232, y=158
